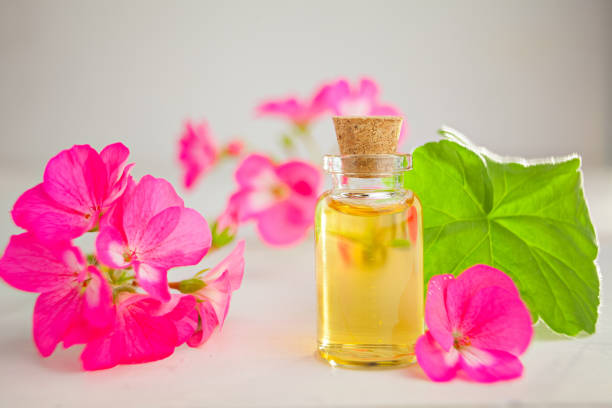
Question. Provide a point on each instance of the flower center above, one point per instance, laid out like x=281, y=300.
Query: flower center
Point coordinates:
x=461, y=340
x=279, y=191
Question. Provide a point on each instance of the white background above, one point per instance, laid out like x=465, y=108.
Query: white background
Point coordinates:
x=523, y=78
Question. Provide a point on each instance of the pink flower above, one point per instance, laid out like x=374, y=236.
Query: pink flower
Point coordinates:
x=300, y=112
x=75, y=300
x=139, y=333
x=151, y=230
x=281, y=198
x=477, y=323
x=363, y=100
x=79, y=185
x=213, y=298
x=235, y=147
x=198, y=151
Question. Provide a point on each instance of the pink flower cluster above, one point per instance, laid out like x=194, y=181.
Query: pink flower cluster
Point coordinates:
x=477, y=323
x=144, y=230
x=338, y=98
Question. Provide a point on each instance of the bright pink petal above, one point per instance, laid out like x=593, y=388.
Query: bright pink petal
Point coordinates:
x=97, y=305
x=283, y=224
x=32, y=266
x=119, y=187
x=303, y=178
x=114, y=216
x=114, y=157
x=137, y=336
x=439, y=365
x=185, y=245
x=197, y=151
x=470, y=282
x=207, y=323
x=368, y=89
x=490, y=365
x=150, y=197
x=111, y=248
x=233, y=264
x=157, y=230
x=54, y=313
x=35, y=211
x=251, y=202
x=218, y=293
x=497, y=319
x=436, y=315
x=181, y=309
x=256, y=171
x=153, y=280
x=76, y=178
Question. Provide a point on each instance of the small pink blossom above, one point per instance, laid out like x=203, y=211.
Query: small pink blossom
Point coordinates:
x=362, y=100
x=139, y=333
x=79, y=185
x=281, y=198
x=477, y=323
x=214, y=298
x=74, y=301
x=151, y=230
x=300, y=112
x=235, y=147
x=198, y=151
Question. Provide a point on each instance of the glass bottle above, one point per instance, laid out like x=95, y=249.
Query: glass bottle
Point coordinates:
x=369, y=262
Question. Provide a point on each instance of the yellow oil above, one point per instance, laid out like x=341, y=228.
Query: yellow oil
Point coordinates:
x=369, y=267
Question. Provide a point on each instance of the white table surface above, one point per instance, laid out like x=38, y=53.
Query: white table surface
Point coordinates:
x=265, y=355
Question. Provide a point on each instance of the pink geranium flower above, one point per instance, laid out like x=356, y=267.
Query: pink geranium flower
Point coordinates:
x=151, y=230
x=74, y=301
x=78, y=186
x=139, y=333
x=477, y=323
x=198, y=151
x=300, y=112
x=281, y=198
x=362, y=100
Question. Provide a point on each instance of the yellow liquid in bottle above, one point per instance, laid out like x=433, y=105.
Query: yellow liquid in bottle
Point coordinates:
x=369, y=271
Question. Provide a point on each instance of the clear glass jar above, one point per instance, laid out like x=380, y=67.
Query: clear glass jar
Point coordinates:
x=369, y=262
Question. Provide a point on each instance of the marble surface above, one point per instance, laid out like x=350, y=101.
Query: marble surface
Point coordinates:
x=265, y=355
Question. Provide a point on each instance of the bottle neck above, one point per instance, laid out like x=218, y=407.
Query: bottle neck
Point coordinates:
x=344, y=183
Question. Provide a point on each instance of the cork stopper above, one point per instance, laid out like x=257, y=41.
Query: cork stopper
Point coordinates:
x=367, y=134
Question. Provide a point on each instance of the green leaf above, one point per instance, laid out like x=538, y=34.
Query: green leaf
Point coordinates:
x=528, y=219
x=220, y=239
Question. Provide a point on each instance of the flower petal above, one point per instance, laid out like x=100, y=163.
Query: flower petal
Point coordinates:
x=153, y=280
x=250, y=202
x=256, y=171
x=303, y=178
x=111, y=248
x=472, y=280
x=54, y=312
x=490, y=365
x=138, y=336
x=436, y=315
x=181, y=309
x=76, y=178
x=35, y=211
x=207, y=323
x=150, y=197
x=218, y=293
x=185, y=245
x=233, y=264
x=158, y=229
x=29, y=265
x=283, y=224
x=497, y=319
x=114, y=157
x=97, y=305
x=439, y=365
